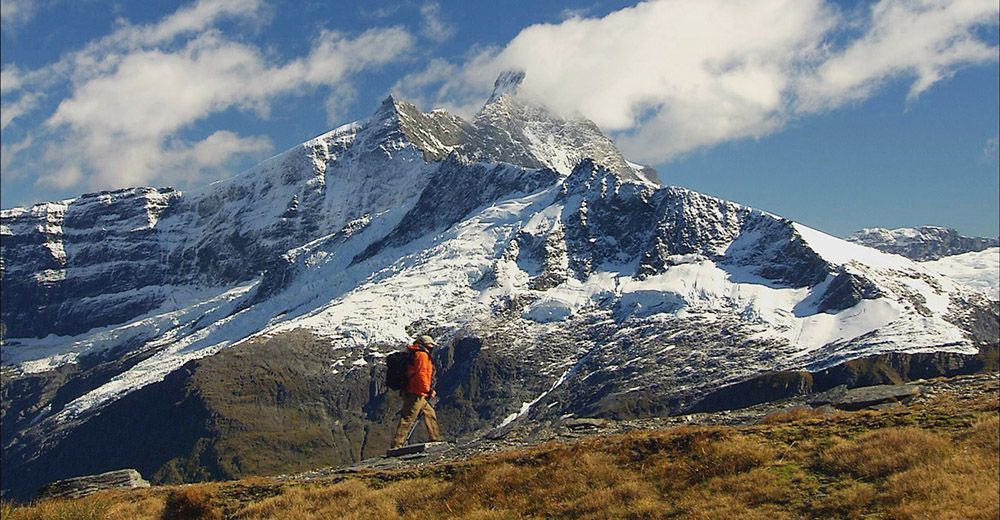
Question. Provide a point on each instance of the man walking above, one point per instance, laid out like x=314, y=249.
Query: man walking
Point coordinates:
x=418, y=390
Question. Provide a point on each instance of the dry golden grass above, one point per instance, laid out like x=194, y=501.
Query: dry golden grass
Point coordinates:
x=937, y=461
x=191, y=503
x=853, y=501
x=136, y=506
x=963, y=486
x=985, y=435
x=881, y=453
x=799, y=413
x=92, y=508
x=350, y=499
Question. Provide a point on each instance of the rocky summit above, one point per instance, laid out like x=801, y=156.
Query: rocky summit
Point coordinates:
x=241, y=328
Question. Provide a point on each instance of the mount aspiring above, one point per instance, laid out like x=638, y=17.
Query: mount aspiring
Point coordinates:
x=240, y=328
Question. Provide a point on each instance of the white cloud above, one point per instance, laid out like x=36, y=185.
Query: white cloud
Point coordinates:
x=16, y=12
x=10, y=78
x=132, y=93
x=927, y=40
x=9, y=151
x=14, y=109
x=432, y=23
x=672, y=76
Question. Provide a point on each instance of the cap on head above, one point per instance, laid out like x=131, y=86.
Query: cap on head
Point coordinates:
x=426, y=341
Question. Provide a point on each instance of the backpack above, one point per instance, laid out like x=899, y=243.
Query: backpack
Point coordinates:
x=396, y=365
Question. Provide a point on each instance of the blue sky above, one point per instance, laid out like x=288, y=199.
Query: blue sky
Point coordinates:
x=840, y=115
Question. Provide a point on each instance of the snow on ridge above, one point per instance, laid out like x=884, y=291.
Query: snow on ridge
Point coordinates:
x=841, y=252
x=978, y=269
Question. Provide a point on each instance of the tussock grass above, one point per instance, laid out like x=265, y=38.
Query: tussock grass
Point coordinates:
x=938, y=460
x=881, y=453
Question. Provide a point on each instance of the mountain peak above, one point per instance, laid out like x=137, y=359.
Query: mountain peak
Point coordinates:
x=508, y=82
x=389, y=106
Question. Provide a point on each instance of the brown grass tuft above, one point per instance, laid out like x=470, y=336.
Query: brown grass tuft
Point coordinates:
x=852, y=501
x=190, y=503
x=959, y=487
x=728, y=455
x=879, y=453
x=89, y=508
x=985, y=435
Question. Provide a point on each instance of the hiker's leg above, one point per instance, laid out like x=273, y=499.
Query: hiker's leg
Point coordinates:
x=431, y=422
x=407, y=416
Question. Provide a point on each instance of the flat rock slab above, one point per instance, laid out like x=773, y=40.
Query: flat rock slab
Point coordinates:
x=424, y=447
x=82, y=486
x=586, y=423
x=866, y=397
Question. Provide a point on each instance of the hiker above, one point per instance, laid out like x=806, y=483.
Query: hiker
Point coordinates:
x=417, y=391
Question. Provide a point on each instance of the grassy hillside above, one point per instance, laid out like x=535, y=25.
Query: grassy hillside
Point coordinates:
x=935, y=459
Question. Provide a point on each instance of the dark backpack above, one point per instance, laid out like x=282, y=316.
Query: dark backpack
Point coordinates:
x=396, y=365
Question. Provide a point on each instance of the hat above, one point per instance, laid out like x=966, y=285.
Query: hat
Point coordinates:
x=426, y=341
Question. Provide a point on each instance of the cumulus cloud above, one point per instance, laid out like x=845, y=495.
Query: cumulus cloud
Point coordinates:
x=671, y=76
x=133, y=92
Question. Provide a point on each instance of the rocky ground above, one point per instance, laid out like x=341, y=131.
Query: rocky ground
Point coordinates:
x=515, y=436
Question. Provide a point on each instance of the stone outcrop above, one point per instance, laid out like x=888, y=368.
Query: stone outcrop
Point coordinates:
x=82, y=486
x=887, y=370
x=853, y=399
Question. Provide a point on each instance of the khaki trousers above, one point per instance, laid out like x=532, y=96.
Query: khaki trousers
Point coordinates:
x=412, y=406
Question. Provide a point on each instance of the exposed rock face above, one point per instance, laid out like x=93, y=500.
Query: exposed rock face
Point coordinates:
x=890, y=371
x=82, y=486
x=922, y=243
x=114, y=245
x=845, y=291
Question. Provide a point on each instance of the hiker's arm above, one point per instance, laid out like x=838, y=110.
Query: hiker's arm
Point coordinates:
x=422, y=375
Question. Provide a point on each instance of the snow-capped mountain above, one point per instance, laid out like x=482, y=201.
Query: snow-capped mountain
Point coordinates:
x=922, y=243
x=560, y=278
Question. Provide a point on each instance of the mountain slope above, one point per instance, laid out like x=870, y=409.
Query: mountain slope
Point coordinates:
x=560, y=279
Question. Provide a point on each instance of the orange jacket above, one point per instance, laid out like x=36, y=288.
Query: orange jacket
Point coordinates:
x=419, y=373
